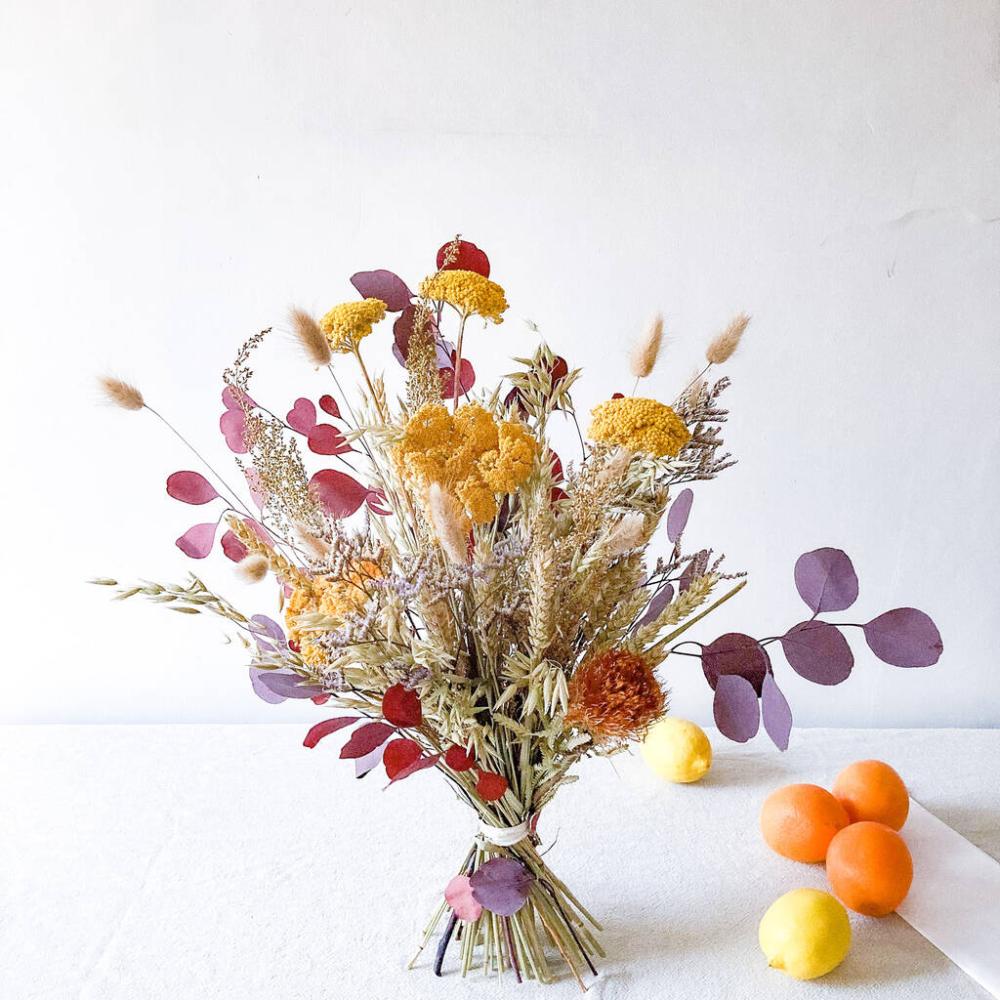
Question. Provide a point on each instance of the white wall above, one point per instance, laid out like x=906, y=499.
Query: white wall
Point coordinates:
x=174, y=174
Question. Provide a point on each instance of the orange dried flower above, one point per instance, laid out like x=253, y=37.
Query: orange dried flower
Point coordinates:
x=614, y=696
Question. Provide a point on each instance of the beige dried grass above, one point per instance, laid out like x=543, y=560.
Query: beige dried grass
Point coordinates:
x=723, y=347
x=121, y=393
x=645, y=351
x=310, y=337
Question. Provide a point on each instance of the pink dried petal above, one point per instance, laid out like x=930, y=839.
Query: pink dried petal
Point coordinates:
x=190, y=487
x=458, y=895
x=198, y=540
x=233, y=424
x=302, y=416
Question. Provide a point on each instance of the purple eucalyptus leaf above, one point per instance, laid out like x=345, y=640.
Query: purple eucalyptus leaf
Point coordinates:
x=363, y=765
x=735, y=654
x=697, y=565
x=262, y=625
x=261, y=689
x=818, y=652
x=655, y=607
x=904, y=637
x=776, y=714
x=677, y=516
x=384, y=285
x=825, y=580
x=501, y=885
x=736, y=711
x=288, y=685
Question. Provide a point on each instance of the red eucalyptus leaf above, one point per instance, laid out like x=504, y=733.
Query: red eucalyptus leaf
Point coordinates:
x=327, y=727
x=190, y=487
x=468, y=258
x=377, y=503
x=302, y=416
x=420, y=764
x=736, y=711
x=402, y=330
x=337, y=492
x=448, y=378
x=365, y=738
x=197, y=541
x=384, y=285
x=401, y=707
x=491, y=786
x=735, y=653
x=329, y=405
x=325, y=439
x=818, y=652
x=458, y=759
x=825, y=580
x=398, y=755
x=904, y=637
x=776, y=714
x=233, y=548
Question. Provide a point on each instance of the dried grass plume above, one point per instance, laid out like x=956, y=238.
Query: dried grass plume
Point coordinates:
x=122, y=394
x=449, y=523
x=628, y=534
x=310, y=337
x=253, y=568
x=647, y=348
x=723, y=347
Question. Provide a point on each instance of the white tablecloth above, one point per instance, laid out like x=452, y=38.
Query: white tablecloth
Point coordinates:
x=189, y=862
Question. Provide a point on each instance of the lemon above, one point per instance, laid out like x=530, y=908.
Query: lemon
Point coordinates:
x=805, y=933
x=677, y=750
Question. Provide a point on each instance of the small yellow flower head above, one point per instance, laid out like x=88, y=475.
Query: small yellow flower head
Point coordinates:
x=468, y=453
x=328, y=596
x=639, y=425
x=468, y=291
x=347, y=325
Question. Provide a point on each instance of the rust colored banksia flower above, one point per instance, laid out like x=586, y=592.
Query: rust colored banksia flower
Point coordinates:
x=614, y=696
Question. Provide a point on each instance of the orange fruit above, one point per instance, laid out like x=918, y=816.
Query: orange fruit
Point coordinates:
x=799, y=821
x=869, y=868
x=871, y=790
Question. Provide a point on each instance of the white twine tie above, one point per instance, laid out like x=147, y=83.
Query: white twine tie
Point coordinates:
x=503, y=836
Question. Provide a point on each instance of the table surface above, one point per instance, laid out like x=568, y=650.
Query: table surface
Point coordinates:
x=148, y=862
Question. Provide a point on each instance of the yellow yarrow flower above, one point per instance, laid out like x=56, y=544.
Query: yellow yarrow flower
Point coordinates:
x=468, y=453
x=346, y=325
x=467, y=291
x=336, y=597
x=639, y=425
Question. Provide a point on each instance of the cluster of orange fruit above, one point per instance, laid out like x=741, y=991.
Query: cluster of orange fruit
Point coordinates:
x=854, y=829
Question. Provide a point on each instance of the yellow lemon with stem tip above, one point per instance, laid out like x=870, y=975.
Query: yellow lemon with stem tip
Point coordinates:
x=805, y=933
x=677, y=750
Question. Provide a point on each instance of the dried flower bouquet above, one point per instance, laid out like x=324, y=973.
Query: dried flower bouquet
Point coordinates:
x=472, y=606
